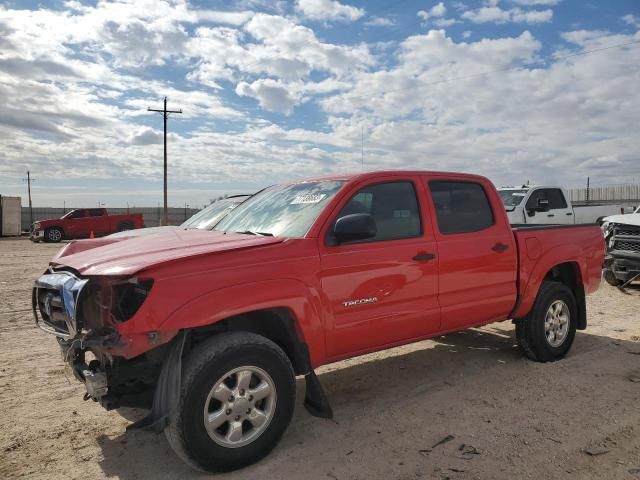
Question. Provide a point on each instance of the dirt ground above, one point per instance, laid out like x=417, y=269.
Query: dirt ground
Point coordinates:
x=503, y=417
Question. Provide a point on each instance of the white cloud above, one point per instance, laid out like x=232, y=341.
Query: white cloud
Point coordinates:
x=328, y=10
x=438, y=10
x=145, y=136
x=531, y=3
x=632, y=20
x=272, y=94
x=75, y=86
x=495, y=14
x=380, y=22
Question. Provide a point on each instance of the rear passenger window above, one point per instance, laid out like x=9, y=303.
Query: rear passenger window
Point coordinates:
x=96, y=212
x=461, y=207
x=393, y=206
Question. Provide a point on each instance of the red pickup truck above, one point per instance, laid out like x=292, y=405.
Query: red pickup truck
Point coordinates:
x=82, y=223
x=208, y=329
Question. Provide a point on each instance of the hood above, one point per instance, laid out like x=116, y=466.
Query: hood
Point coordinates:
x=629, y=219
x=141, y=232
x=127, y=256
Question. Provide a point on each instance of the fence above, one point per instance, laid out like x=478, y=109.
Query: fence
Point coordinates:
x=151, y=215
x=625, y=194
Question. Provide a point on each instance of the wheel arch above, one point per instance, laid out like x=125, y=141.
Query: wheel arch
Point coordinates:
x=568, y=272
x=277, y=324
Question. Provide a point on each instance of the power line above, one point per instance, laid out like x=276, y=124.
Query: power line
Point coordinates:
x=165, y=116
x=504, y=69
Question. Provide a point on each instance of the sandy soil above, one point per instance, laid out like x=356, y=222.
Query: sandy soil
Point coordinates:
x=504, y=416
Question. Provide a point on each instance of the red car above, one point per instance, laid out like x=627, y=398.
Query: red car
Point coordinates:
x=82, y=223
x=208, y=329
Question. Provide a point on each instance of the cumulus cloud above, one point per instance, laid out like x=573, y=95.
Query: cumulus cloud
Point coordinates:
x=272, y=94
x=632, y=20
x=76, y=84
x=328, y=10
x=495, y=14
x=145, y=136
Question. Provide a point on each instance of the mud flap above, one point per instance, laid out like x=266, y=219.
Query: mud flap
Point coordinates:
x=167, y=392
x=315, y=400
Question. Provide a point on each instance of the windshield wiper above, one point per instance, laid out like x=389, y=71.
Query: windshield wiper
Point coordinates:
x=263, y=234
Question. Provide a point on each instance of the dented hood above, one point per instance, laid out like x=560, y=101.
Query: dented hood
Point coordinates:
x=628, y=219
x=118, y=257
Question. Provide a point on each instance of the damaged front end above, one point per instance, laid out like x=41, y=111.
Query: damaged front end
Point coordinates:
x=622, y=262
x=94, y=322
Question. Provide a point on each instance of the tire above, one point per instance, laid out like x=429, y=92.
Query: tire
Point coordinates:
x=125, y=226
x=532, y=333
x=53, y=235
x=204, y=368
x=611, y=279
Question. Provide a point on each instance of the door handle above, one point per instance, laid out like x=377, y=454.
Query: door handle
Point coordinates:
x=500, y=247
x=568, y=213
x=551, y=215
x=424, y=257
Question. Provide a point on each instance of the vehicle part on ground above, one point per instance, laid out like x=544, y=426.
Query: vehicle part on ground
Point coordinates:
x=236, y=400
x=547, y=332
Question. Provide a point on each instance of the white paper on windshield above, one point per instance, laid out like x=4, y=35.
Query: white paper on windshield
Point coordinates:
x=308, y=198
x=519, y=194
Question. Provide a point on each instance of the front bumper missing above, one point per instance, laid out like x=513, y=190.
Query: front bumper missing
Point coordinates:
x=54, y=300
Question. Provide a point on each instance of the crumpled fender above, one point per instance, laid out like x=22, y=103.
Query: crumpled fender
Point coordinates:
x=532, y=273
x=300, y=299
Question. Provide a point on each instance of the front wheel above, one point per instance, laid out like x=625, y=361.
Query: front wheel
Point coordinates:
x=547, y=332
x=53, y=235
x=236, y=401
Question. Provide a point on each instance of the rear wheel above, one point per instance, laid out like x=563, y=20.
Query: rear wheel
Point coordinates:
x=53, y=235
x=236, y=401
x=547, y=332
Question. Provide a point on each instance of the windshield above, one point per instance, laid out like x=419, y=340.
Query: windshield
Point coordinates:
x=512, y=198
x=208, y=217
x=281, y=210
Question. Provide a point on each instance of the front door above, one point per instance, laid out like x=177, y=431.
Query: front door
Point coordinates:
x=382, y=290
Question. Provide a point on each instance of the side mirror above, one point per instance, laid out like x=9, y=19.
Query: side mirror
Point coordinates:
x=357, y=226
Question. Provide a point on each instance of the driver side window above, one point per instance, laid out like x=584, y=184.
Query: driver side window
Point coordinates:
x=393, y=206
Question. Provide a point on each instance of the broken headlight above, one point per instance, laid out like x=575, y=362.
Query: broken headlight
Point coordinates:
x=128, y=297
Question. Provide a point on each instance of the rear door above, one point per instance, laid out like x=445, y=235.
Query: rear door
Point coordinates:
x=381, y=290
x=559, y=211
x=476, y=252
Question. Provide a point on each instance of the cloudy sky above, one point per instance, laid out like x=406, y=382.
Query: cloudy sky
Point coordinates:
x=540, y=90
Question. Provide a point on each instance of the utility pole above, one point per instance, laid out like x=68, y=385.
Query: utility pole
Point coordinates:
x=29, y=180
x=165, y=116
x=587, y=190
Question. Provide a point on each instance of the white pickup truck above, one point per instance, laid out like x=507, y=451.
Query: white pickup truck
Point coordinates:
x=539, y=204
